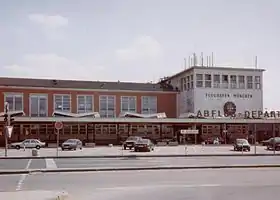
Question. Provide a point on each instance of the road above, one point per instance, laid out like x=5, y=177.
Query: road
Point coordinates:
x=15, y=164
x=230, y=184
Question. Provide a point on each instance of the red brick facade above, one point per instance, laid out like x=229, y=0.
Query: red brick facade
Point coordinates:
x=166, y=101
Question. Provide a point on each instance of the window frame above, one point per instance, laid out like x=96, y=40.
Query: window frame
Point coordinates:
x=54, y=103
x=149, y=109
x=84, y=96
x=39, y=95
x=135, y=100
x=115, y=105
x=18, y=94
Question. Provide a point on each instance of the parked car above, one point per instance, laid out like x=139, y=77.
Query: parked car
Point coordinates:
x=266, y=142
x=28, y=143
x=72, y=144
x=274, y=144
x=241, y=145
x=144, y=145
x=130, y=142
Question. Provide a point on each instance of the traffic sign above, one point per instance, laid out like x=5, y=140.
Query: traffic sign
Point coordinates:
x=58, y=125
x=189, y=132
x=9, y=131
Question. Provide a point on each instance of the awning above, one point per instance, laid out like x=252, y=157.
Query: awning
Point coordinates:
x=75, y=115
x=13, y=113
x=137, y=115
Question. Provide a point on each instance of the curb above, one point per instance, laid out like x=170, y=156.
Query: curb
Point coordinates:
x=10, y=172
x=141, y=156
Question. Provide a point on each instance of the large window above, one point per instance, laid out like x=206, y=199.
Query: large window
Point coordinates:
x=38, y=105
x=199, y=80
x=208, y=80
x=15, y=101
x=217, y=80
x=128, y=104
x=107, y=106
x=62, y=102
x=241, y=82
x=257, y=82
x=233, y=82
x=225, y=81
x=84, y=103
x=149, y=105
x=249, y=82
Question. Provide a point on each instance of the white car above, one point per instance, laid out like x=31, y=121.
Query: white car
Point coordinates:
x=28, y=143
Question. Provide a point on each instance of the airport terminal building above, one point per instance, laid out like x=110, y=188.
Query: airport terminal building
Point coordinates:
x=217, y=101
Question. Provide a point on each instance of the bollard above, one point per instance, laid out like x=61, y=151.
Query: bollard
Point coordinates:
x=242, y=148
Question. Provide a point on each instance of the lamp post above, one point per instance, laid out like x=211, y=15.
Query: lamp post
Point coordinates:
x=7, y=123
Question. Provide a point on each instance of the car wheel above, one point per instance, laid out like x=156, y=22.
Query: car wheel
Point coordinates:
x=75, y=149
x=130, y=148
x=17, y=147
x=62, y=149
x=81, y=148
x=38, y=147
x=124, y=147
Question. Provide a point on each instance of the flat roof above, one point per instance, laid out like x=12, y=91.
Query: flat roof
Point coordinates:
x=214, y=68
x=146, y=120
x=80, y=84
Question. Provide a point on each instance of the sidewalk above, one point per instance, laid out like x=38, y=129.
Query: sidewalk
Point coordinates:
x=117, y=151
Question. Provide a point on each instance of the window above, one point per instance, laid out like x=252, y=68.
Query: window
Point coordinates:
x=128, y=104
x=208, y=80
x=62, y=102
x=85, y=103
x=241, y=82
x=149, y=105
x=224, y=81
x=184, y=84
x=188, y=82
x=38, y=105
x=233, y=82
x=217, y=81
x=107, y=106
x=191, y=81
x=15, y=101
x=199, y=80
x=249, y=82
x=257, y=82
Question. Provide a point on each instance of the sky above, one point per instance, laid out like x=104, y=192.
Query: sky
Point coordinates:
x=137, y=40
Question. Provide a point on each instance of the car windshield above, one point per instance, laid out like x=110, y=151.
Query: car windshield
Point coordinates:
x=132, y=138
x=144, y=141
x=71, y=141
x=241, y=141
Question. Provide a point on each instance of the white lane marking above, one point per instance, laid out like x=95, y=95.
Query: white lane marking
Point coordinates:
x=140, y=187
x=23, y=177
x=50, y=163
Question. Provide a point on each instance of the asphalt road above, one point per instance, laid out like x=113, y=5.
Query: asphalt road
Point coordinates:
x=230, y=184
x=132, y=162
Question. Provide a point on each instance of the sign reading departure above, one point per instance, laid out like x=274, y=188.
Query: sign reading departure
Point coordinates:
x=229, y=110
x=247, y=114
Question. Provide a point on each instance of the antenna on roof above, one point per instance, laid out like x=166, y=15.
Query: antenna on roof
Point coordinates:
x=212, y=55
x=194, y=59
x=256, y=62
x=201, y=59
x=190, y=62
x=185, y=63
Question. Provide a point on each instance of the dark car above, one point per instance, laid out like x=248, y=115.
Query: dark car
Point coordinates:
x=274, y=144
x=72, y=144
x=144, y=145
x=241, y=145
x=130, y=142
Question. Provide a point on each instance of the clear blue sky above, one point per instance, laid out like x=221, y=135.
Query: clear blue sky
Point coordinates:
x=137, y=40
